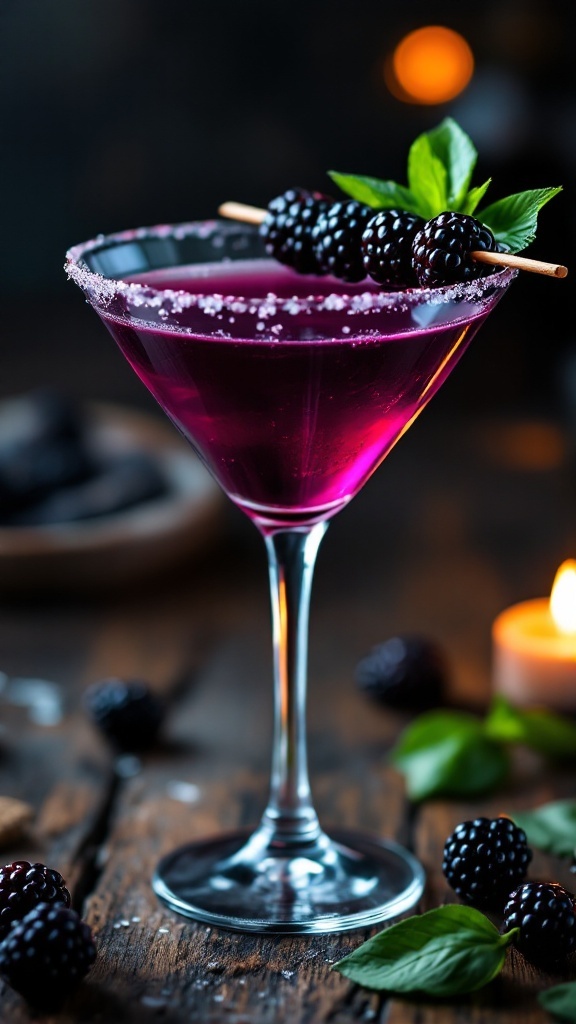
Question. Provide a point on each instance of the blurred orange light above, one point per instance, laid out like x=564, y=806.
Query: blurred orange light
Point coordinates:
x=431, y=65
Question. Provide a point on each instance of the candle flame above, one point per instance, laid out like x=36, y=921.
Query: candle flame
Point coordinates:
x=563, y=598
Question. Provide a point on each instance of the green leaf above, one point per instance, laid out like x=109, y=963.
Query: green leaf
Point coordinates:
x=382, y=195
x=458, y=156
x=447, y=753
x=474, y=197
x=542, y=730
x=560, y=1001
x=445, y=952
x=427, y=178
x=513, y=220
x=551, y=827
x=440, y=167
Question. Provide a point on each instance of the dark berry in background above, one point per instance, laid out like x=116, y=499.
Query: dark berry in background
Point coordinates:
x=405, y=672
x=46, y=955
x=441, y=250
x=387, y=248
x=23, y=886
x=126, y=711
x=485, y=859
x=287, y=228
x=546, y=916
x=337, y=239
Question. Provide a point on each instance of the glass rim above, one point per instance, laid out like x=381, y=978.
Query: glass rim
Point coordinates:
x=105, y=289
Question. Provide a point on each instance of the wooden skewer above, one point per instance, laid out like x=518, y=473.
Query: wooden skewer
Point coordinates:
x=241, y=211
x=508, y=259
x=254, y=215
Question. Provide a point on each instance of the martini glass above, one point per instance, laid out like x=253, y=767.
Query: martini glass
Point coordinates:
x=292, y=390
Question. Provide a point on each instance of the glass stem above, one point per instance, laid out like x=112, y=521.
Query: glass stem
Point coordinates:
x=290, y=818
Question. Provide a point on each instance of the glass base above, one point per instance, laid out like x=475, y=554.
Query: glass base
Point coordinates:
x=245, y=883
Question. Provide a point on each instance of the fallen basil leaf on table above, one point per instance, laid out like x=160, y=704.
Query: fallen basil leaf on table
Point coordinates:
x=445, y=952
x=447, y=753
x=560, y=1001
x=551, y=827
x=543, y=731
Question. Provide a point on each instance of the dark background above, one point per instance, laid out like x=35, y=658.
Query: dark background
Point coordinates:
x=117, y=113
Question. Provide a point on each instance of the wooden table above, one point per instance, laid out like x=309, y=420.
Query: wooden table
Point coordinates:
x=463, y=520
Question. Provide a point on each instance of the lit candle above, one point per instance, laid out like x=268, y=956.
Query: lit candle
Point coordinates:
x=534, y=647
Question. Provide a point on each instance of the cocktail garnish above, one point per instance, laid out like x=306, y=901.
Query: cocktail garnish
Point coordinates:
x=348, y=240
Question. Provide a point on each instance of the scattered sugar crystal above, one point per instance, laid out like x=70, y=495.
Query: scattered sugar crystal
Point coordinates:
x=219, y=998
x=334, y=302
x=163, y=931
x=287, y=974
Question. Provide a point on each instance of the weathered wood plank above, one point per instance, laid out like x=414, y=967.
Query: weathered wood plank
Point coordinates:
x=218, y=740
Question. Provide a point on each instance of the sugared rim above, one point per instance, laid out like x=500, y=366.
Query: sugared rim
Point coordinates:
x=104, y=290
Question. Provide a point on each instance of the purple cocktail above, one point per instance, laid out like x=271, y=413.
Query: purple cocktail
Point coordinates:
x=292, y=390
x=290, y=425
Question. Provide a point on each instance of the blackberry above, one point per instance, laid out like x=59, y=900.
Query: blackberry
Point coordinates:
x=441, y=249
x=337, y=238
x=387, y=248
x=287, y=228
x=46, y=955
x=126, y=712
x=545, y=913
x=23, y=886
x=485, y=859
x=404, y=672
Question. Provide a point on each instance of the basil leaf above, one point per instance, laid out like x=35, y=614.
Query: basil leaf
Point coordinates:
x=458, y=155
x=445, y=952
x=541, y=730
x=560, y=1001
x=474, y=197
x=427, y=178
x=513, y=220
x=447, y=753
x=551, y=827
x=382, y=195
